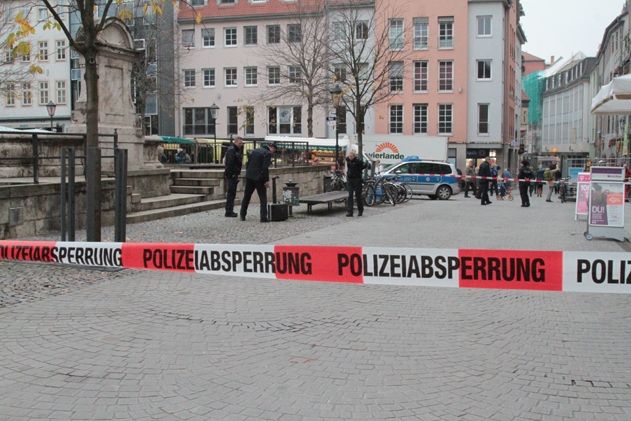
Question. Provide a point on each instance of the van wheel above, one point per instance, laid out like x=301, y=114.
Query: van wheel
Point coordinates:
x=443, y=192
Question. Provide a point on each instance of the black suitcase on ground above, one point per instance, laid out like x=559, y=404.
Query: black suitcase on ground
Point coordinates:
x=277, y=211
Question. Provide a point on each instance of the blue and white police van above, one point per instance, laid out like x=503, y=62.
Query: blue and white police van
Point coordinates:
x=436, y=179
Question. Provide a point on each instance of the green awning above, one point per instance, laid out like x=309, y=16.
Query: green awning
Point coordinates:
x=178, y=140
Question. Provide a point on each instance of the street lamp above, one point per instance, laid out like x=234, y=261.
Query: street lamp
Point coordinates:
x=336, y=95
x=51, y=107
x=213, y=114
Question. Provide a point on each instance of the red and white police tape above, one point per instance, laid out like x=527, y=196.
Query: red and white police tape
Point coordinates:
x=456, y=268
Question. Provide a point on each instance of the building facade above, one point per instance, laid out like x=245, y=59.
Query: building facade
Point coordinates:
x=26, y=92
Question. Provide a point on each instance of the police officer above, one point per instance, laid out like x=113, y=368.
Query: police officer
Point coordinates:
x=257, y=178
x=233, y=164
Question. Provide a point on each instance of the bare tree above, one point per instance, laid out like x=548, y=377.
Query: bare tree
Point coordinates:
x=361, y=53
x=301, y=57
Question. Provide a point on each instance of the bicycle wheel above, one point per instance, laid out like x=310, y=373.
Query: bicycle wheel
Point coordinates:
x=390, y=194
x=369, y=195
x=408, y=192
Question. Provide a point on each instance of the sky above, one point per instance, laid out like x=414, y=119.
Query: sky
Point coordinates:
x=564, y=27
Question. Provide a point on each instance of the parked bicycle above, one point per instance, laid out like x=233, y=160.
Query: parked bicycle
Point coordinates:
x=338, y=180
x=563, y=189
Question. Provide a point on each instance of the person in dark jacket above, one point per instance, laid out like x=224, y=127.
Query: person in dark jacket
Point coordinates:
x=233, y=164
x=354, y=168
x=484, y=171
x=257, y=178
x=524, y=176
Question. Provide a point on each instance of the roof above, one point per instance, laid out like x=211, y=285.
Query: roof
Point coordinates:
x=530, y=57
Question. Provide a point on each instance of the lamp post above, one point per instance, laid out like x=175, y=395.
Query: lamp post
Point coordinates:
x=51, y=107
x=213, y=114
x=336, y=95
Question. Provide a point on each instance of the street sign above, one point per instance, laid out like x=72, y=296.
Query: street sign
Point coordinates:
x=331, y=118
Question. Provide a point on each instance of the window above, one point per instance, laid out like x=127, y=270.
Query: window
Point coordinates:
x=25, y=57
x=251, y=78
x=446, y=32
x=233, y=122
x=395, y=34
x=295, y=74
x=10, y=95
x=340, y=114
x=198, y=2
x=483, y=118
x=421, y=33
x=420, y=76
x=249, y=120
x=445, y=81
x=43, y=93
x=8, y=56
x=42, y=51
x=445, y=116
x=284, y=120
x=361, y=30
x=250, y=34
x=61, y=92
x=226, y=1
x=294, y=32
x=208, y=37
x=27, y=95
x=484, y=69
x=484, y=26
x=338, y=31
x=199, y=121
x=189, y=78
x=42, y=13
x=396, y=119
x=188, y=38
x=61, y=49
x=396, y=76
x=230, y=37
x=273, y=34
x=273, y=75
x=420, y=118
x=209, y=78
x=339, y=71
x=230, y=76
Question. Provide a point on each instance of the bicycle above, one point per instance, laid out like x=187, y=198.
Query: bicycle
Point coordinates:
x=563, y=189
x=338, y=180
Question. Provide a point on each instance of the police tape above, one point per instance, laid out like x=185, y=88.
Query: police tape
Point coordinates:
x=537, y=270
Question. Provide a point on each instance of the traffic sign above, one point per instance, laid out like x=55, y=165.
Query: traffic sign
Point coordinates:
x=331, y=118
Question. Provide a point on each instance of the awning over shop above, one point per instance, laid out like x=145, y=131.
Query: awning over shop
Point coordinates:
x=614, y=97
x=178, y=140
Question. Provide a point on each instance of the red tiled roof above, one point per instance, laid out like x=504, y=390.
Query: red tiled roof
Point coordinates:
x=244, y=8
x=530, y=57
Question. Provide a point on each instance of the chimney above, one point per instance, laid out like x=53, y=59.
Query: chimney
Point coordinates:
x=551, y=59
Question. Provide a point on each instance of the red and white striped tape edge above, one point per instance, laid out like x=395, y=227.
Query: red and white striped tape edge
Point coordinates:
x=605, y=272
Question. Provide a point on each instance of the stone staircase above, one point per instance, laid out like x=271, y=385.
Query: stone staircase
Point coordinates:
x=192, y=191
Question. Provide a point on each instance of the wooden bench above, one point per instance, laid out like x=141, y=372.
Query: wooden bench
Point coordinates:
x=328, y=198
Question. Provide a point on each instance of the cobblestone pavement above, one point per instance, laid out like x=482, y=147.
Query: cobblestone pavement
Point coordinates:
x=153, y=345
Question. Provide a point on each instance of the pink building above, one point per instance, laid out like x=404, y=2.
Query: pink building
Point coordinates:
x=432, y=98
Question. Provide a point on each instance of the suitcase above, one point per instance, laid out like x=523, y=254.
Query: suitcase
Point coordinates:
x=277, y=211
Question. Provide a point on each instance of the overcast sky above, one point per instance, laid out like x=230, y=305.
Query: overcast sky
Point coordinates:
x=564, y=27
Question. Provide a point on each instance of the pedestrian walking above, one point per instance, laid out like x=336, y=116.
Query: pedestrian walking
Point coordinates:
x=524, y=176
x=539, y=175
x=354, y=168
x=470, y=179
x=549, y=176
x=257, y=178
x=484, y=171
x=233, y=163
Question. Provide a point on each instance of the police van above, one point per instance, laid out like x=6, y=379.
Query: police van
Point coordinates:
x=436, y=179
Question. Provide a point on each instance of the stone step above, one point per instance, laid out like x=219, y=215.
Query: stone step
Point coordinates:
x=213, y=182
x=152, y=215
x=170, y=200
x=217, y=174
x=192, y=189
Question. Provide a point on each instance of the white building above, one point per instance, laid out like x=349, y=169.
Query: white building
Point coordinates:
x=26, y=92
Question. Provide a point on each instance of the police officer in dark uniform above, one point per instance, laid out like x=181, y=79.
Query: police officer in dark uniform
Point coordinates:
x=257, y=178
x=233, y=164
x=484, y=171
x=354, y=168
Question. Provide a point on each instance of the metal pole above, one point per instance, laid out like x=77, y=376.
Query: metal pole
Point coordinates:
x=215, y=141
x=34, y=144
x=51, y=123
x=115, y=138
x=71, y=195
x=93, y=194
x=120, y=195
x=62, y=196
x=337, y=135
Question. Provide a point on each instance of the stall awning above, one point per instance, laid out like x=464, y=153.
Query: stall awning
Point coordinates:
x=178, y=140
x=614, y=97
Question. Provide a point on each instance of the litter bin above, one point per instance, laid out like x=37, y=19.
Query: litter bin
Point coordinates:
x=291, y=195
x=327, y=183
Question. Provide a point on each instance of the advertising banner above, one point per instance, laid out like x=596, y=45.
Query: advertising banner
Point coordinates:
x=582, y=194
x=606, y=204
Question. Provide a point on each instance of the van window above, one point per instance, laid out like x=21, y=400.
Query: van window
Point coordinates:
x=426, y=168
x=444, y=169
